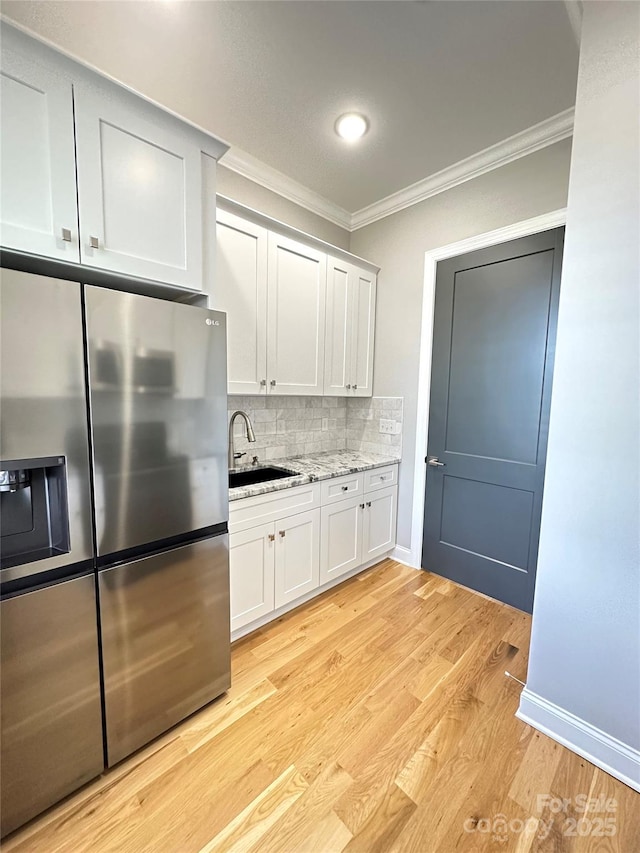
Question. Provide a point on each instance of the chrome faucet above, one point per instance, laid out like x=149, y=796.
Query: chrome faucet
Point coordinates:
x=251, y=436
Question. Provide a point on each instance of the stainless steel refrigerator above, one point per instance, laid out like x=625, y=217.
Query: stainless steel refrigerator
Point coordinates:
x=113, y=482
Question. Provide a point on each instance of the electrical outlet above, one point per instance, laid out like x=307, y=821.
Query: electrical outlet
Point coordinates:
x=387, y=427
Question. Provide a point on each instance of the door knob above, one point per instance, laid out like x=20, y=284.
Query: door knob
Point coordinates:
x=433, y=461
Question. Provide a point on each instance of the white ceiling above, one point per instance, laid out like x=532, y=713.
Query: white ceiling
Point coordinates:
x=439, y=81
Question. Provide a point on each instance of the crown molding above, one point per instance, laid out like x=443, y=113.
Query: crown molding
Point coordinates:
x=258, y=172
x=526, y=142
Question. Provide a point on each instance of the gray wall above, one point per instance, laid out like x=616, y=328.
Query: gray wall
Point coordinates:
x=253, y=195
x=585, y=653
x=526, y=188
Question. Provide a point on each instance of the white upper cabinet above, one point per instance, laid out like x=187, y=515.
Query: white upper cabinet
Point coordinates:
x=337, y=365
x=297, y=277
x=362, y=332
x=38, y=211
x=142, y=177
x=299, y=321
x=139, y=191
x=351, y=304
x=241, y=291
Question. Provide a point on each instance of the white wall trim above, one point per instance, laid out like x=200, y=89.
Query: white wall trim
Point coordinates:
x=526, y=142
x=258, y=172
x=610, y=754
x=480, y=241
x=402, y=555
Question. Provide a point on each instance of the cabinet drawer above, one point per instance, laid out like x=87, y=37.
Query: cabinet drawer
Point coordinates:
x=249, y=512
x=340, y=488
x=379, y=478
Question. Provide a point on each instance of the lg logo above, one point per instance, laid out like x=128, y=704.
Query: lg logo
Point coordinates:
x=212, y=322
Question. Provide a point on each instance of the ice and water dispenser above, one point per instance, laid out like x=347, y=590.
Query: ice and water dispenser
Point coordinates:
x=34, y=510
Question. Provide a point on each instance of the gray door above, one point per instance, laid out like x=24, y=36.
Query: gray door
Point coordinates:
x=493, y=346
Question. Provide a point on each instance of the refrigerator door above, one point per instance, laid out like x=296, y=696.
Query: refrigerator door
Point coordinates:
x=165, y=640
x=158, y=408
x=51, y=715
x=43, y=415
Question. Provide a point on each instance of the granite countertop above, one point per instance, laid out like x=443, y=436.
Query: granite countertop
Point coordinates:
x=309, y=469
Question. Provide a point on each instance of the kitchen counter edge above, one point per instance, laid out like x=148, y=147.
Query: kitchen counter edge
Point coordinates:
x=313, y=468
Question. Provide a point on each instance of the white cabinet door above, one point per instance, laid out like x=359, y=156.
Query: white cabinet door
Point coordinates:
x=379, y=531
x=38, y=211
x=297, y=556
x=139, y=190
x=337, y=357
x=340, y=538
x=362, y=332
x=251, y=568
x=297, y=277
x=240, y=289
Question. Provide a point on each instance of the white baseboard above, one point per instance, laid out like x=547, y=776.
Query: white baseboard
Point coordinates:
x=405, y=556
x=611, y=755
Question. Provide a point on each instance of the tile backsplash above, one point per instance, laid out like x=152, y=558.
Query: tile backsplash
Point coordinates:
x=296, y=426
x=363, y=424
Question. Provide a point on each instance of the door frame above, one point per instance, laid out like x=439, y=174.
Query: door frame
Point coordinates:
x=545, y=222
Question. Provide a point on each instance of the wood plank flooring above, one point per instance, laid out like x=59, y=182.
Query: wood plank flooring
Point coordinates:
x=376, y=718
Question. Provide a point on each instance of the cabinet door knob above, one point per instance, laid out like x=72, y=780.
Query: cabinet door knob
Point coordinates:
x=66, y=235
x=355, y=387
x=272, y=537
x=361, y=506
x=94, y=242
x=273, y=383
x=348, y=387
x=368, y=503
x=263, y=382
x=282, y=533
x=345, y=488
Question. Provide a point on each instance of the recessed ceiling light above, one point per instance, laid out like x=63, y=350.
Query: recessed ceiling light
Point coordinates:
x=352, y=126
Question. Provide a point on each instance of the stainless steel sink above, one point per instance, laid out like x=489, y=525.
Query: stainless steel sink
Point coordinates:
x=252, y=476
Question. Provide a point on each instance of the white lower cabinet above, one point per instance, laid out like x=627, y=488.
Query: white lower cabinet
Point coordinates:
x=252, y=563
x=297, y=556
x=340, y=538
x=356, y=531
x=286, y=544
x=379, y=526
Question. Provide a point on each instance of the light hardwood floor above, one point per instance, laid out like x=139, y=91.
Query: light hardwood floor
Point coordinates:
x=375, y=718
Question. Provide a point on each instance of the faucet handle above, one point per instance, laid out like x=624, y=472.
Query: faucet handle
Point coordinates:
x=255, y=460
x=239, y=455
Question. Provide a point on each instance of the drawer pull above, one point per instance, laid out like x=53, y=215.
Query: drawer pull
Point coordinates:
x=345, y=488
